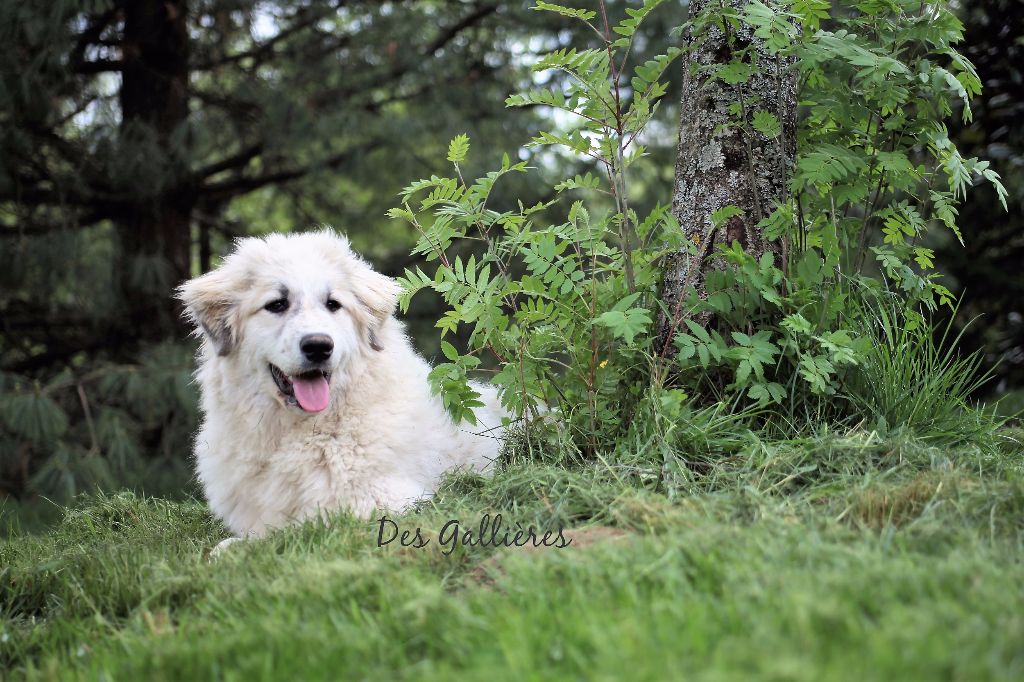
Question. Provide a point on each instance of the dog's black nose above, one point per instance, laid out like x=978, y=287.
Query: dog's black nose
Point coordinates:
x=316, y=347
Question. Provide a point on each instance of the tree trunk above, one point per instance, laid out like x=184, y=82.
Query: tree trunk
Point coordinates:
x=721, y=159
x=154, y=231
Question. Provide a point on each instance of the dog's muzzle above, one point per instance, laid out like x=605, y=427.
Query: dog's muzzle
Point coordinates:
x=310, y=391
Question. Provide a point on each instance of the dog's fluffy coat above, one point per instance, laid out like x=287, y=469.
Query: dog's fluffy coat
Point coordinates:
x=382, y=442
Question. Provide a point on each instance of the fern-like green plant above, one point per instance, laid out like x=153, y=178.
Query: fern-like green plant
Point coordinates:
x=564, y=300
x=564, y=307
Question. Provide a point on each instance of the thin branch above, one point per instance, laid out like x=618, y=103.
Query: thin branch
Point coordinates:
x=378, y=80
x=240, y=158
x=78, y=109
x=264, y=51
x=38, y=194
x=94, y=447
x=60, y=349
x=227, y=189
x=449, y=33
x=233, y=105
x=99, y=66
x=91, y=36
x=36, y=229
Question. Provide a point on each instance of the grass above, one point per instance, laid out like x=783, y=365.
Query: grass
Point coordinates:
x=833, y=557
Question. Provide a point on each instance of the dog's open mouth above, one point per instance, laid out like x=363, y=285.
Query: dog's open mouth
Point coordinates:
x=310, y=390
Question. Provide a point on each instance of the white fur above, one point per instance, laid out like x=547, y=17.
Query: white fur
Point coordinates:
x=384, y=440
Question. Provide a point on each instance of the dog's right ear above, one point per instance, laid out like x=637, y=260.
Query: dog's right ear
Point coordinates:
x=211, y=307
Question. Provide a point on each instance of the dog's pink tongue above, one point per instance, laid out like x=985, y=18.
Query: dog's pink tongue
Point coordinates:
x=312, y=392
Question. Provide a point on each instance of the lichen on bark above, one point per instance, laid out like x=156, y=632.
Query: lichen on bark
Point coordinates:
x=721, y=159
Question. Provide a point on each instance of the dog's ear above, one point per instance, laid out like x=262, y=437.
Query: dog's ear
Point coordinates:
x=378, y=294
x=211, y=306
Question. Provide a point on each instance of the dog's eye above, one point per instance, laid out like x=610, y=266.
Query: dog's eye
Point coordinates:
x=333, y=305
x=277, y=306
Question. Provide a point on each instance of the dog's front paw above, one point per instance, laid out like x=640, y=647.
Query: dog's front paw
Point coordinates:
x=222, y=546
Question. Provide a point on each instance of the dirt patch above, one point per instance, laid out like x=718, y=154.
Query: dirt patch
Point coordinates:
x=899, y=505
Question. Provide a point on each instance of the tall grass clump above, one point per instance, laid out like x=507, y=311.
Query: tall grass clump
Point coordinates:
x=915, y=376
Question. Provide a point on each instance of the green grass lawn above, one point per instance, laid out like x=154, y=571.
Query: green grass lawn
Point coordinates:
x=839, y=557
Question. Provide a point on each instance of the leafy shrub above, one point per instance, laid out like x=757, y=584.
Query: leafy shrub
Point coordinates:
x=565, y=301
x=566, y=308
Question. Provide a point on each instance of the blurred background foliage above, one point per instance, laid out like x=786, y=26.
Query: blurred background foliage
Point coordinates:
x=139, y=137
x=988, y=271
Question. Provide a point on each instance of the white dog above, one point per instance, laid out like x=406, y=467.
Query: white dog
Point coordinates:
x=313, y=398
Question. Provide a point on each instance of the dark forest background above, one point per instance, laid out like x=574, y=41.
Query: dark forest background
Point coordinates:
x=138, y=138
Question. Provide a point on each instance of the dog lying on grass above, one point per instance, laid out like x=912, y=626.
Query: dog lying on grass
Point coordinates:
x=313, y=399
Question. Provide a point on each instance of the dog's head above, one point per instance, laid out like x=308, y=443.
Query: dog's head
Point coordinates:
x=292, y=310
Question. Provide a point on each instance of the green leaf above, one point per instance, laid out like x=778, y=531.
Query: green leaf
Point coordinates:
x=828, y=163
x=743, y=372
x=719, y=217
x=624, y=303
x=584, y=15
x=811, y=12
x=797, y=323
x=765, y=393
x=767, y=124
x=458, y=396
x=698, y=331
x=449, y=351
x=586, y=181
x=458, y=148
x=734, y=72
x=924, y=257
x=625, y=324
x=774, y=27
x=778, y=223
x=628, y=27
x=412, y=282
x=817, y=371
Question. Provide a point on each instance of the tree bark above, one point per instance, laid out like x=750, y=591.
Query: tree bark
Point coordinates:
x=155, y=228
x=721, y=160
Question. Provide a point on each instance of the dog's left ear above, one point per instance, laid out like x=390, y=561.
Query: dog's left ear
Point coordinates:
x=210, y=305
x=378, y=294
